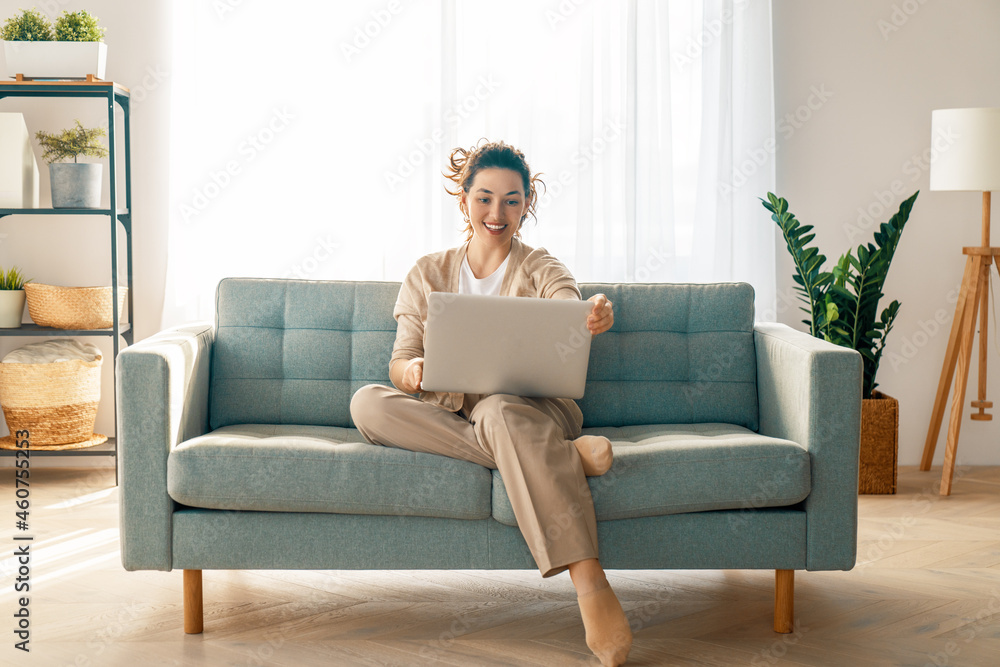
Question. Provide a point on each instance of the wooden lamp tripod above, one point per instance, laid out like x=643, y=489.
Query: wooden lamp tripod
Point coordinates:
x=970, y=162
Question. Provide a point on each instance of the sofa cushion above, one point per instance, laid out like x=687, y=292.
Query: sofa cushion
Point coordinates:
x=677, y=354
x=672, y=469
x=295, y=351
x=285, y=468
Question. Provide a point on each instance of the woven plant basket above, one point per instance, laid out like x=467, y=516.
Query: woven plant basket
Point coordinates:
x=56, y=403
x=879, y=444
x=73, y=307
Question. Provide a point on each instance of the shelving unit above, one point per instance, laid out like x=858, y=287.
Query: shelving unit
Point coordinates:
x=112, y=93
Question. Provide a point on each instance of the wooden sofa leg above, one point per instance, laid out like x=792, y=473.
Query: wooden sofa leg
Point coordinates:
x=193, y=616
x=784, y=599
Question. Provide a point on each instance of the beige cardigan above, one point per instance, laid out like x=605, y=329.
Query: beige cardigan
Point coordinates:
x=530, y=272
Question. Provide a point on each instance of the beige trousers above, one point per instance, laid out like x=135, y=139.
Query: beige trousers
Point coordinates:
x=529, y=440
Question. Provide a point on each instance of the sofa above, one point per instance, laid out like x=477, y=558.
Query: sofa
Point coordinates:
x=735, y=444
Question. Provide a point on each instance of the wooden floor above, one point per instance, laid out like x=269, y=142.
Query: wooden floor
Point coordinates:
x=925, y=592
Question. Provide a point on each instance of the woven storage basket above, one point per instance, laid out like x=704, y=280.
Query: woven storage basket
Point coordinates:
x=72, y=307
x=879, y=444
x=55, y=402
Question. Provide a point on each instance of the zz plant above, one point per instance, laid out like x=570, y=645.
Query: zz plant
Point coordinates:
x=843, y=303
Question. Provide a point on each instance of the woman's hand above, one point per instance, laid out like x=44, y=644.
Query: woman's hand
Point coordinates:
x=602, y=315
x=413, y=373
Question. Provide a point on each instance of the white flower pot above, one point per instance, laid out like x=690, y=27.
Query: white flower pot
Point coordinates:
x=55, y=60
x=75, y=185
x=11, y=308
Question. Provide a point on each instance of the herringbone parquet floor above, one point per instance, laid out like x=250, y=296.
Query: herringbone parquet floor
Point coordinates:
x=925, y=592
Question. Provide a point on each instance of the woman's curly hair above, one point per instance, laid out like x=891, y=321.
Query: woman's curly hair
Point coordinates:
x=465, y=164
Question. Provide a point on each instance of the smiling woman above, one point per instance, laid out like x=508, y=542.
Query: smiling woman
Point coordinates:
x=496, y=193
x=535, y=443
x=307, y=143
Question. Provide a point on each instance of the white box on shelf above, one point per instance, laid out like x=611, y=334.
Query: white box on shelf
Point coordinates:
x=55, y=60
x=18, y=168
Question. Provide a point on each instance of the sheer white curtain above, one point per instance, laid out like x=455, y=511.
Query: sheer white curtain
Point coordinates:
x=309, y=142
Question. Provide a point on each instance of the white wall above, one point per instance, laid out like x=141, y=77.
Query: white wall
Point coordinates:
x=884, y=65
x=64, y=250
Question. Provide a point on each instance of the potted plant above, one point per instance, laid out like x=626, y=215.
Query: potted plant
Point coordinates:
x=73, y=50
x=843, y=309
x=11, y=298
x=76, y=184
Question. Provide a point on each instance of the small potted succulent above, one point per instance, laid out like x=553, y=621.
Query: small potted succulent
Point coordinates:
x=11, y=298
x=74, y=184
x=73, y=50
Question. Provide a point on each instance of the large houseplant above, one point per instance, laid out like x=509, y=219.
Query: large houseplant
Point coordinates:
x=73, y=50
x=843, y=308
x=11, y=298
x=75, y=184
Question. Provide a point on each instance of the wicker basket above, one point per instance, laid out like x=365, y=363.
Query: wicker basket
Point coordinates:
x=56, y=402
x=879, y=444
x=73, y=307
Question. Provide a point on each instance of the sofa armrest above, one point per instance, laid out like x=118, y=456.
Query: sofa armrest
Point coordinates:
x=162, y=388
x=809, y=391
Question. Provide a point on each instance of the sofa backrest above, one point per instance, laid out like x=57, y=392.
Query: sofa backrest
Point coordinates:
x=677, y=354
x=295, y=351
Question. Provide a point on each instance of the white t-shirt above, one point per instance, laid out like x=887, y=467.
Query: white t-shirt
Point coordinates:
x=468, y=283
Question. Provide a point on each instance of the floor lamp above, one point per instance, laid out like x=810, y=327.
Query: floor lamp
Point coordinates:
x=970, y=162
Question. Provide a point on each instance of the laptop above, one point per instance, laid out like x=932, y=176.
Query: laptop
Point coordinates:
x=525, y=346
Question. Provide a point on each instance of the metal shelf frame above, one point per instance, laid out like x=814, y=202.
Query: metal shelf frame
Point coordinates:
x=112, y=93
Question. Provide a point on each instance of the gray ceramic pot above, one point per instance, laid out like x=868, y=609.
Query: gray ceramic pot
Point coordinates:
x=75, y=185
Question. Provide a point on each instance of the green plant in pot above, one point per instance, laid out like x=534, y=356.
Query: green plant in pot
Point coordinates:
x=843, y=308
x=11, y=297
x=76, y=184
x=28, y=26
x=73, y=50
x=78, y=27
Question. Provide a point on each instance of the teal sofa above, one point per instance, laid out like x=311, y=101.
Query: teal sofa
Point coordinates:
x=735, y=443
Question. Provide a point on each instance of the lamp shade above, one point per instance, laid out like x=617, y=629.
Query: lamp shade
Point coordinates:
x=966, y=149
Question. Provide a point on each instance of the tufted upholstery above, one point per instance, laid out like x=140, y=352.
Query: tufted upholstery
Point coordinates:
x=294, y=352
x=677, y=354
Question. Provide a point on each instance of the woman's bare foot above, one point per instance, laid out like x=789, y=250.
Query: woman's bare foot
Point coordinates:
x=595, y=454
x=608, y=633
x=607, y=630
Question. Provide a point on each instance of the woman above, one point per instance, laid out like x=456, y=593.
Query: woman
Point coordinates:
x=534, y=442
